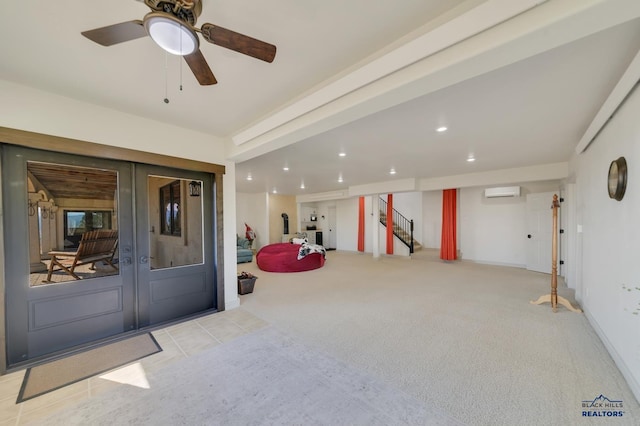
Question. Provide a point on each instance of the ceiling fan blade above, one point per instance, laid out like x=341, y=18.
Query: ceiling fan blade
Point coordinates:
x=200, y=68
x=117, y=33
x=238, y=42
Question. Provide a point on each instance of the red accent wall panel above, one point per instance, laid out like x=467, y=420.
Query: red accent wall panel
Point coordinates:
x=389, y=223
x=448, y=249
x=361, y=224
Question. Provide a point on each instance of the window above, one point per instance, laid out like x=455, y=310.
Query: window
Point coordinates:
x=77, y=222
x=170, y=209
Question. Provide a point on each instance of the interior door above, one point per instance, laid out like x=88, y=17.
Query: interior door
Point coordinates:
x=331, y=240
x=175, y=257
x=56, y=198
x=539, y=231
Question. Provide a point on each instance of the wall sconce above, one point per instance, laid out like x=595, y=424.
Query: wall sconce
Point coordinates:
x=194, y=188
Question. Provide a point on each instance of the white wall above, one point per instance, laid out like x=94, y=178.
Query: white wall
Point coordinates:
x=399, y=249
x=489, y=230
x=610, y=240
x=37, y=111
x=231, y=298
x=568, y=238
x=493, y=230
x=29, y=109
x=322, y=210
x=409, y=204
x=347, y=219
x=431, y=219
x=252, y=209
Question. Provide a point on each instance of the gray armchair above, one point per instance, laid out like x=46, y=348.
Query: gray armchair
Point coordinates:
x=245, y=254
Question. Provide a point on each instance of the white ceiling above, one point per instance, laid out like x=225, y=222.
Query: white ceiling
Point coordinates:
x=314, y=40
x=530, y=110
x=529, y=113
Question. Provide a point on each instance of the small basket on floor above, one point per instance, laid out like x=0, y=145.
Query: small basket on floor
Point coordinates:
x=246, y=281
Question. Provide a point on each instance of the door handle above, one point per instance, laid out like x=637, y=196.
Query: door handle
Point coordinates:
x=126, y=261
x=528, y=235
x=144, y=259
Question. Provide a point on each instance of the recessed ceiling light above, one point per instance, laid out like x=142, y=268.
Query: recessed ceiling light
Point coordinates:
x=441, y=129
x=343, y=154
x=285, y=168
x=249, y=177
x=471, y=159
x=392, y=171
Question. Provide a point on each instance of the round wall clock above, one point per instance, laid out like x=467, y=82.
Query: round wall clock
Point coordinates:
x=617, y=180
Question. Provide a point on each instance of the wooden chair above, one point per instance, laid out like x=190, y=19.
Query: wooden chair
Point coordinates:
x=94, y=246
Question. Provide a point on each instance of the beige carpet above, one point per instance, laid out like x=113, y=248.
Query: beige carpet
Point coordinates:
x=65, y=371
x=459, y=336
x=391, y=342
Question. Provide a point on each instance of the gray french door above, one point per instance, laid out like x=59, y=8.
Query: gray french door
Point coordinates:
x=49, y=200
x=57, y=207
x=174, y=216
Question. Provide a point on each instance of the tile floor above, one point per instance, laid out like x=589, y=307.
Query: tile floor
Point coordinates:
x=178, y=341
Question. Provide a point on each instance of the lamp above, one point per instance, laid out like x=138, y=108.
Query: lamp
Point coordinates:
x=194, y=188
x=171, y=34
x=32, y=207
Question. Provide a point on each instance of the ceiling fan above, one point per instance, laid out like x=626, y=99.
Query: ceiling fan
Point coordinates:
x=171, y=24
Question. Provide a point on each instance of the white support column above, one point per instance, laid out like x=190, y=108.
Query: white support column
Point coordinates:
x=47, y=230
x=36, y=264
x=375, y=225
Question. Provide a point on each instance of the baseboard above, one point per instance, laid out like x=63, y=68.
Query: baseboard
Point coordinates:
x=232, y=304
x=486, y=262
x=617, y=359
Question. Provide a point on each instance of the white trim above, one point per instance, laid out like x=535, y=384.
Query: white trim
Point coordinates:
x=322, y=196
x=541, y=172
x=617, y=359
x=390, y=186
x=232, y=304
x=617, y=96
x=485, y=262
x=482, y=17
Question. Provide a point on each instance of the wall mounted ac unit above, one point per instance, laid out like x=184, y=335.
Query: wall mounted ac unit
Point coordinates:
x=506, y=191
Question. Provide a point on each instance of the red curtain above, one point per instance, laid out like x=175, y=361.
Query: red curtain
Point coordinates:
x=361, y=225
x=389, y=223
x=448, y=242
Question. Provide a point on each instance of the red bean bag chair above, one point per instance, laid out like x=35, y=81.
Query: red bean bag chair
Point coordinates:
x=283, y=257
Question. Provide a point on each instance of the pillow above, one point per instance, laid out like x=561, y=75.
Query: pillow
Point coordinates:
x=243, y=243
x=299, y=240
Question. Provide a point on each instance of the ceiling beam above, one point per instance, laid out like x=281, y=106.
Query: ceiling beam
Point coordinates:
x=467, y=24
x=551, y=25
x=616, y=98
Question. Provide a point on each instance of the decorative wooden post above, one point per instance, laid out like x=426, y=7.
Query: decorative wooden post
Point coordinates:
x=553, y=298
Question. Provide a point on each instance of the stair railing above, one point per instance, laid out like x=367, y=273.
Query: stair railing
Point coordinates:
x=402, y=227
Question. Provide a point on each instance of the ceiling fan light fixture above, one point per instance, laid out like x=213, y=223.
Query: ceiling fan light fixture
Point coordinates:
x=171, y=34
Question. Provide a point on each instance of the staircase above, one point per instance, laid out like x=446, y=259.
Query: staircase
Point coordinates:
x=402, y=227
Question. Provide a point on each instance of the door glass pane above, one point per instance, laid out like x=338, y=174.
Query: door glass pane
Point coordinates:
x=175, y=219
x=73, y=232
